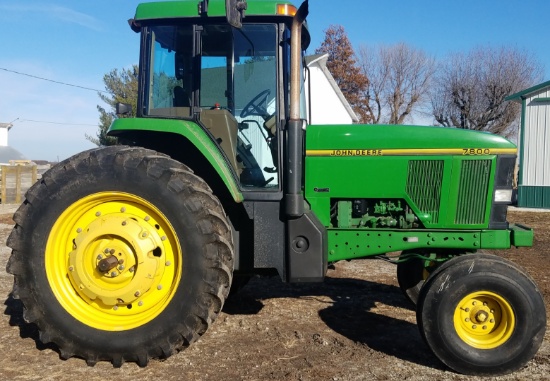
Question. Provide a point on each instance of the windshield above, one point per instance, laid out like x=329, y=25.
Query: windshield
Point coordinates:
x=170, y=74
x=228, y=81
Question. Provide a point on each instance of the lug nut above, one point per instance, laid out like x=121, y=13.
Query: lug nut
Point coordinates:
x=122, y=210
x=121, y=267
x=147, y=218
x=97, y=214
x=137, y=293
x=113, y=274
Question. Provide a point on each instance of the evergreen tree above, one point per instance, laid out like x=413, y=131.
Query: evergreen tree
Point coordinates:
x=122, y=86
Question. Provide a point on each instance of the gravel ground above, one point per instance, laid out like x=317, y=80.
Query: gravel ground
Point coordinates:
x=354, y=326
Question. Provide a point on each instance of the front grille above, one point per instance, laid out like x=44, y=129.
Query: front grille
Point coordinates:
x=424, y=186
x=472, y=194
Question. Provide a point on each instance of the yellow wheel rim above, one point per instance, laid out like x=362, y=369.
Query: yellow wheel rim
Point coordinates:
x=113, y=261
x=484, y=320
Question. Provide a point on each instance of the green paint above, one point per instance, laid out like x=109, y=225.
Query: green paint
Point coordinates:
x=472, y=198
x=443, y=174
x=456, y=198
x=377, y=137
x=189, y=9
x=191, y=131
x=522, y=141
x=541, y=100
x=527, y=92
x=355, y=243
x=534, y=196
x=445, y=191
x=521, y=235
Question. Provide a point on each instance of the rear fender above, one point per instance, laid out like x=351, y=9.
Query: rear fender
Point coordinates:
x=192, y=132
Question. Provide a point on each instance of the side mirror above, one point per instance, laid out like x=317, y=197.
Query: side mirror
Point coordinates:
x=234, y=10
x=123, y=109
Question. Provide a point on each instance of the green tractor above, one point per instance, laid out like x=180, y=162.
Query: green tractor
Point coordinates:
x=128, y=252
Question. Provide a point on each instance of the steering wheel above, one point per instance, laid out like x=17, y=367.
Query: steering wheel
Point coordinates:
x=254, y=107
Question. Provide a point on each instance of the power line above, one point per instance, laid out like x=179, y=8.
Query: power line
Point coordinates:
x=60, y=123
x=51, y=80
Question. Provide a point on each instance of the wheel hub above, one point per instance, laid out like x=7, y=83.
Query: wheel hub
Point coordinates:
x=481, y=316
x=484, y=320
x=107, y=264
x=116, y=260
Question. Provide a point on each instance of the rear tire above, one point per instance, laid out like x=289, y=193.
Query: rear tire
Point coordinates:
x=121, y=254
x=481, y=315
x=412, y=273
x=411, y=276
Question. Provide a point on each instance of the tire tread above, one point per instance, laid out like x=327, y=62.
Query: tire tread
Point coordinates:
x=181, y=182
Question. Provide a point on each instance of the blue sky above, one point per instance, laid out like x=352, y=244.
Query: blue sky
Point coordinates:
x=77, y=42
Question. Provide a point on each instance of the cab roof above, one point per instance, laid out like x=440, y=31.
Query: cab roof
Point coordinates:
x=216, y=8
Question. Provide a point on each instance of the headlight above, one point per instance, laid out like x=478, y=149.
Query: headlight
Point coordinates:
x=503, y=195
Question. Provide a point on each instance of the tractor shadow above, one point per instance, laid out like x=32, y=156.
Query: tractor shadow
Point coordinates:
x=353, y=313
x=14, y=309
x=350, y=314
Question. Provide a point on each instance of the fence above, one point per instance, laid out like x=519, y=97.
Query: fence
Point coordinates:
x=17, y=178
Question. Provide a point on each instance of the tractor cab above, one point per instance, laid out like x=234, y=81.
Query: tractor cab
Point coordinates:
x=232, y=81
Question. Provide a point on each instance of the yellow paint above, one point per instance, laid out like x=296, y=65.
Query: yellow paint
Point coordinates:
x=484, y=320
x=148, y=261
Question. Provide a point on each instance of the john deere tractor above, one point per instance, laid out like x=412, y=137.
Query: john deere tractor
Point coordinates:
x=128, y=252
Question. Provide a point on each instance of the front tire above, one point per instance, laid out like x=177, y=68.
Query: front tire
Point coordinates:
x=481, y=315
x=121, y=254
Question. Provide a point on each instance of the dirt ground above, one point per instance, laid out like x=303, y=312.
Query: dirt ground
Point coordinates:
x=354, y=326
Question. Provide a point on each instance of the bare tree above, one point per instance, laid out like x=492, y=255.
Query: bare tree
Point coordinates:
x=399, y=81
x=471, y=88
x=342, y=64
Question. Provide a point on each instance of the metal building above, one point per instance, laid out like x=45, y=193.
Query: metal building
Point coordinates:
x=7, y=153
x=534, y=155
x=327, y=105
